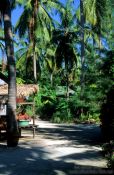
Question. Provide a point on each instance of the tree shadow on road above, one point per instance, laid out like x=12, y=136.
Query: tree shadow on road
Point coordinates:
x=27, y=159
x=78, y=134
x=33, y=158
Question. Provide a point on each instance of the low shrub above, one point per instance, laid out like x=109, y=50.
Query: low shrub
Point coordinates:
x=62, y=117
x=108, y=151
x=45, y=102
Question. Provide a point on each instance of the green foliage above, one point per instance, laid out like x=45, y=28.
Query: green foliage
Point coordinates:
x=62, y=113
x=49, y=106
x=112, y=161
x=19, y=80
x=45, y=102
x=29, y=110
x=86, y=106
x=57, y=51
x=59, y=109
x=108, y=150
x=62, y=117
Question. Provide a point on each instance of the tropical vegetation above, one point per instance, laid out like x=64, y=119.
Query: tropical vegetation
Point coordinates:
x=66, y=47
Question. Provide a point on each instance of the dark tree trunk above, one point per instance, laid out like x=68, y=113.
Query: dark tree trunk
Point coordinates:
x=12, y=128
x=82, y=20
x=67, y=78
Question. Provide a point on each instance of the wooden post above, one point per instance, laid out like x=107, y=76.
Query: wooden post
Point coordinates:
x=33, y=120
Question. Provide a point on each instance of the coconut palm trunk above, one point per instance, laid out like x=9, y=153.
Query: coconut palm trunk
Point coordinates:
x=12, y=128
x=67, y=78
x=51, y=79
x=32, y=28
x=34, y=66
x=82, y=45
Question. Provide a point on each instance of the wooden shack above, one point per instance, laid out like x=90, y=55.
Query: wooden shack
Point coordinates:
x=23, y=92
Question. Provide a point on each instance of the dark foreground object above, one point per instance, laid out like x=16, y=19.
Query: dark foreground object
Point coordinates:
x=12, y=139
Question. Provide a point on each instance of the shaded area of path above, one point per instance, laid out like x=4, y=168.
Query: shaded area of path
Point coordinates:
x=55, y=150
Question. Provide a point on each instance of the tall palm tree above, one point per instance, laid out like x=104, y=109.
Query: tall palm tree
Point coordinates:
x=49, y=61
x=12, y=128
x=31, y=9
x=82, y=22
x=37, y=22
x=64, y=37
x=24, y=62
x=110, y=24
x=92, y=13
x=95, y=11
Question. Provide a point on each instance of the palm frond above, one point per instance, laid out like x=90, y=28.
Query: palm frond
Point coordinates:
x=22, y=24
x=21, y=62
x=2, y=47
x=56, y=5
x=19, y=53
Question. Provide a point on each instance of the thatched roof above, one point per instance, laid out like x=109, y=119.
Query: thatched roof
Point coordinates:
x=22, y=90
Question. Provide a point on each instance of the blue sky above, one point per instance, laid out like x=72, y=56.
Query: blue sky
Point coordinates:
x=16, y=14
x=18, y=11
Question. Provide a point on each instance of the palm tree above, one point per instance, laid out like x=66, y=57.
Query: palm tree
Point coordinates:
x=92, y=13
x=31, y=9
x=12, y=128
x=24, y=62
x=49, y=61
x=82, y=22
x=95, y=12
x=109, y=24
x=64, y=38
x=37, y=22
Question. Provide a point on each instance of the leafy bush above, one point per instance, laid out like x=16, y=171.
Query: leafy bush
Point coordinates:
x=58, y=109
x=29, y=110
x=45, y=102
x=108, y=150
x=62, y=117
x=85, y=108
x=112, y=161
x=19, y=80
x=51, y=107
x=47, y=110
x=62, y=113
x=78, y=107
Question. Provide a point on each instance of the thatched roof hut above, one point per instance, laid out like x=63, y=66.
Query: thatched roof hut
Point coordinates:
x=23, y=91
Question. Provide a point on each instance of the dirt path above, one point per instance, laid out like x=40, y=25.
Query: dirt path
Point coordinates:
x=55, y=150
